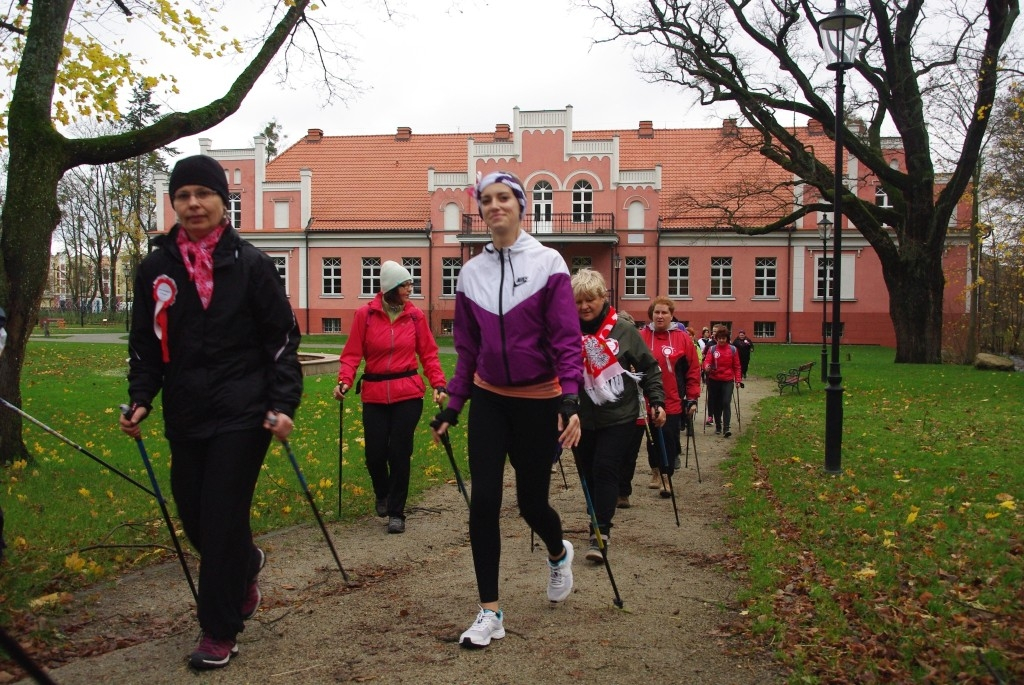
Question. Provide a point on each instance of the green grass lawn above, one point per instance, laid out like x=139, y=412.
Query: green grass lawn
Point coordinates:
x=906, y=567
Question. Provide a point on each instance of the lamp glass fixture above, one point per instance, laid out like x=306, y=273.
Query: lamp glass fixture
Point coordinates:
x=840, y=35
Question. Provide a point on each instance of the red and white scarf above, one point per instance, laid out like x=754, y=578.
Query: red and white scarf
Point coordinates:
x=198, y=257
x=603, y=376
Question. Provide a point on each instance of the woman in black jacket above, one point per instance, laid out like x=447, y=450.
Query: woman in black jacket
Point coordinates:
x=213, y=330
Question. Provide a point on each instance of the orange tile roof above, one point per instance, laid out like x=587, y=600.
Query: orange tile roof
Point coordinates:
x=380, y=181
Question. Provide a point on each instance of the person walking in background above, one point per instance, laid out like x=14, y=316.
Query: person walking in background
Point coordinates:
x=705, y=342
x=519, y=366
x=390, y=333
x=609, y=408
x=722, y=368
x=213, y=330
x=673, y=348
x=744, y=346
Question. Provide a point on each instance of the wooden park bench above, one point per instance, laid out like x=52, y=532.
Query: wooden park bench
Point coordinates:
x=794, y=377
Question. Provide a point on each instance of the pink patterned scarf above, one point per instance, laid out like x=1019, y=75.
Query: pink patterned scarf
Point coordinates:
x=198, y=257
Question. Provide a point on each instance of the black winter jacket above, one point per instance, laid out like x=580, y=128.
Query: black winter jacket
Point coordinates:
x=228, y=364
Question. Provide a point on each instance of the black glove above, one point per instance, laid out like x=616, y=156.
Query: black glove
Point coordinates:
x=569, y=407
x=687, y=404
x=446, y=415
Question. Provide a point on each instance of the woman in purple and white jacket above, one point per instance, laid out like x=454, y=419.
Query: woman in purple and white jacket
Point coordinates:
x=518, y=342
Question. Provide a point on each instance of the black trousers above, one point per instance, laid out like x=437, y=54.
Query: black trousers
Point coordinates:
x=213, y=481
x=600, y=456
x=389, y=429
x=525, y=431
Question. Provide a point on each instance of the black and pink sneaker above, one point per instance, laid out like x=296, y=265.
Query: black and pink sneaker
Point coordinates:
x=253, y=596
x=212, y=653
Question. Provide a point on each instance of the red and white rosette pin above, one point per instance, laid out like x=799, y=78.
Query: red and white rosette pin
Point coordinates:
x=164, y=292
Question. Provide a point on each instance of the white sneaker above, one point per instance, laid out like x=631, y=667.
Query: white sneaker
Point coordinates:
x=560, y=581
x=487, y=626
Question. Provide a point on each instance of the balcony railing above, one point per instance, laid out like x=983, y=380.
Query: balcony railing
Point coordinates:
x=569, y=223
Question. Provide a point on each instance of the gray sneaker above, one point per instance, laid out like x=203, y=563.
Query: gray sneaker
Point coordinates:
x=560, y=578
x=396, y=524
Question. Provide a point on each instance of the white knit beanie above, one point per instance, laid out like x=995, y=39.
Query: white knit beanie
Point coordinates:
x=392, y=275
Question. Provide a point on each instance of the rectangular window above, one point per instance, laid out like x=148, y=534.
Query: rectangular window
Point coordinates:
x=450, y=268
x=235, y=209
x=281, y=215
x=678, y=276
x=332, y=276
x=331, y=325
x=764, y=277
x=824, y=285
x=721, y=277
x=447, y=326
x=371, y=277
x=764, y=329
x=282, y=270
x=581, y=263
x=414, y=265
x=636, y=277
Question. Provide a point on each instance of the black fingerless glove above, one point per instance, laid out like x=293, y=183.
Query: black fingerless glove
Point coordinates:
x=688, y=404
x=569, y=407
x=446, y=415
x=656, y=405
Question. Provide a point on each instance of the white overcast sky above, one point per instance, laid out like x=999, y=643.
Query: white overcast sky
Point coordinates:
x=447, y=66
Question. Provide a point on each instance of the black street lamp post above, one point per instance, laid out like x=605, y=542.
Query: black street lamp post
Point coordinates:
x=840, y=33
x=825, y=233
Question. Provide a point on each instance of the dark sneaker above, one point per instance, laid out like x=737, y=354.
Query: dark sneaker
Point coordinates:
x=212, y=653
x=253, y=596
x=727, y=433
x=396, y=524
x=382, y=506
x=487, y=626
x=623, y=502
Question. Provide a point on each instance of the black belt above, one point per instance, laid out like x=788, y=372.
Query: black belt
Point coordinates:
x=376, y=377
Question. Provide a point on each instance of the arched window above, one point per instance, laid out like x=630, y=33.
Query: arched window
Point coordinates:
x=582, y=202
x=238, y=177
x=543, y=204
x=635, y=217
x=452, y=216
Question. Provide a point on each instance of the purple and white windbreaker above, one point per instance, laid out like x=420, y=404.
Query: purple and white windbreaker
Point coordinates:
x=515, y=320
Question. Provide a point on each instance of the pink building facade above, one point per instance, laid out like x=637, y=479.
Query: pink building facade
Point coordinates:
x=654, y=210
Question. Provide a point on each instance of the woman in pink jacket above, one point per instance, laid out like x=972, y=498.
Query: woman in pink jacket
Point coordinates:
x=390, y=333
x=723, y=371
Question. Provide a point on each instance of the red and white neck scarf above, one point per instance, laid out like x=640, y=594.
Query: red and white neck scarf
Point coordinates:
x=603, y=376
x=198, y=257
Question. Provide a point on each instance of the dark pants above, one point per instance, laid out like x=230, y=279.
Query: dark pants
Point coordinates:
x=629, y=465
x=720, y=402
x=600, y=456
x=526, y=431
x=670, y=436
x=213, y=482
x=388, y=429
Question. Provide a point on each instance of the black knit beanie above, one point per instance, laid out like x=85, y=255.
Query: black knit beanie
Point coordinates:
x=200, y=170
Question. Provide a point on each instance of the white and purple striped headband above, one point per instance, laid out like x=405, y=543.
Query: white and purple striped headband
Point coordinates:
x=507, y=179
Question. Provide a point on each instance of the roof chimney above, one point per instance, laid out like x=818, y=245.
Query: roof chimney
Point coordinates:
x=502, y=132
x=646, y=129
x=314, y=135
x=814, y=128
x=404, y=133
x=729, y=128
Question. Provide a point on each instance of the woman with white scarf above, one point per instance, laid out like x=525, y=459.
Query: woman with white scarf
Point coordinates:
x=612, y=400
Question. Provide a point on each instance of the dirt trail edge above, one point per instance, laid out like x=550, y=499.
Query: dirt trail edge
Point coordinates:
x=412, y=595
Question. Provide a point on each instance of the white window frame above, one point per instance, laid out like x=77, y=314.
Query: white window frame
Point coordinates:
x=679, y=277
x=582, y=202
x=766, y=279
x=330, y=282
x=370, y=277
x=635, y=282
x=414, y=265
x=450, y=268
x=721, y=277
x=235, y=209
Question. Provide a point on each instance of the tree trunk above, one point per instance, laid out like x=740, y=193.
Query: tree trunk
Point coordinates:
x=915, y=284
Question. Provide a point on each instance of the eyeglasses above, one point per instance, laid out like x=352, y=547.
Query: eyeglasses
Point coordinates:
x=407, y=284
x=202, y=195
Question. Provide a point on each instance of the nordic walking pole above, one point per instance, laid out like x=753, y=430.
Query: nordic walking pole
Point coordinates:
x=691, y=437
x=561, y=467
x=666, y=468
x=341, y=447
x=272, y=419
x=127, y=412
x=446, y=441
x=739, y=415
x=21, y=657
x=600, y=539
x=707, y=407
x=78, y=447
